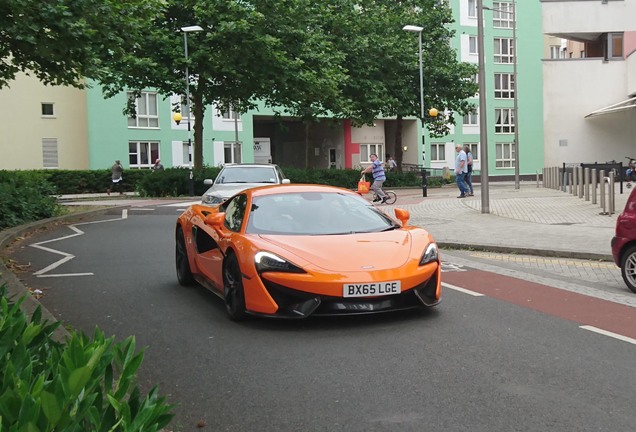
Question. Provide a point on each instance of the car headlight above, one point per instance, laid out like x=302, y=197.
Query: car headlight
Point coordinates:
x=212, y=199
x=430, y=254
x=267, y=261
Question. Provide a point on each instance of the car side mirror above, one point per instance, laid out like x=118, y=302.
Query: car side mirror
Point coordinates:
x=208, y=182
x=217, y=222
x=286, y=181
x=402, y=215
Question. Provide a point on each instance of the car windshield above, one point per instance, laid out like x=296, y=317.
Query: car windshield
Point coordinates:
x=247, y=174
x=315, y=213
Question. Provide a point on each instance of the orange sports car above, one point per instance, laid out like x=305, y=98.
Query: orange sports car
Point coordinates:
x=292, y=251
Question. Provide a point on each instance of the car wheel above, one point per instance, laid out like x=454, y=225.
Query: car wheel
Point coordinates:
x=233, y=288
x=628, y=267
x=184, y=274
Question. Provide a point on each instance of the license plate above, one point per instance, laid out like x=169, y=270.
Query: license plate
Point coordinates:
x=371, y=289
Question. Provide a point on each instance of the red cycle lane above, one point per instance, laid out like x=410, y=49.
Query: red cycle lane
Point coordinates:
x=579, y=308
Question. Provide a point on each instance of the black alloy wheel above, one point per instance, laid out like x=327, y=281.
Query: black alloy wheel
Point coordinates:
x=233, y=288
x=184, y=274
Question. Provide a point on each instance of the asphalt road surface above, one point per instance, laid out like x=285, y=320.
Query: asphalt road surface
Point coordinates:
x=501, y=353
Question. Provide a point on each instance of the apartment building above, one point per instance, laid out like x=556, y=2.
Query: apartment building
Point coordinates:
x=42, y=126
x=95, y=132
x=589, y=101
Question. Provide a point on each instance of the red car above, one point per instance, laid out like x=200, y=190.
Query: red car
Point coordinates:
x=624, y=242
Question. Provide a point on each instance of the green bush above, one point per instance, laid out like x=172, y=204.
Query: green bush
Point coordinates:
x=82, y=385
x=26, y=196
x=175, y=182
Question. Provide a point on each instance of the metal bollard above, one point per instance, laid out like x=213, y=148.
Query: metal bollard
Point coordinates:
x=424, y=183
x=594, y=185
x=612, y=201
x=580, y=186
x=564, y=179
x=586, y=183
x=602, y=191
x=537, y=178
x=570, y=183
x=575, y=181
x=543, y=176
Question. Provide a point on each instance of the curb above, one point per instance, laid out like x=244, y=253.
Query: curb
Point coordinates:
x=525, y=251
x=16, y=288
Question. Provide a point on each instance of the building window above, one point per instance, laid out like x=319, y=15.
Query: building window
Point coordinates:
x=472, y=44
x=471, y=119
x=142, y=154
x=504, y=50
x=472, y=8
x=185, y=113
x=230, y=115
x=147, y=111
x=502, y=15
x=555, y=51
x=47, y=109
x=504, y=120
x=232, y=151
x=504, y=86
x=438, y=152
x=505, y=155
x=366, y=150
x=49, y=153
x=615, y=45
x=474, y=150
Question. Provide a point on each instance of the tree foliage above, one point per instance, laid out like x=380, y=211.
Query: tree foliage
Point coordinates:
x=306, y=58
x=62, y=41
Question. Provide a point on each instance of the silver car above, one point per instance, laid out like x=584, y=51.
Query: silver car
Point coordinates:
x=233, y=178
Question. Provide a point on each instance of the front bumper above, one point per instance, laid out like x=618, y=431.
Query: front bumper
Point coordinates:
x=298, y=304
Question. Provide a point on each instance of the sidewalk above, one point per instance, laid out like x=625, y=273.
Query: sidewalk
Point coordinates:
x=528, y=220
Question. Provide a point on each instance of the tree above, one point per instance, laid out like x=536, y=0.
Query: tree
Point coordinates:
x=267, y=50
x=383, y=74
x=63, y=41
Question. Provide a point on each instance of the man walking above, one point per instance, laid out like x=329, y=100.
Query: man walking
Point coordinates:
x=461, y=169
x=379, y=177
x=117, y=176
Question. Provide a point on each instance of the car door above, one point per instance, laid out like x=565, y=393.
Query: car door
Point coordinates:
x=210, y=245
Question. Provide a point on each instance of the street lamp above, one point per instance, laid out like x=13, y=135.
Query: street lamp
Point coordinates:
x=432, y=112
x=418, y=30
x=514, y=77
x=483, y=124
x=186, y=30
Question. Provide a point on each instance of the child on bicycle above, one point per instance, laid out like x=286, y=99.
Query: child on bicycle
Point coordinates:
x=377, y=169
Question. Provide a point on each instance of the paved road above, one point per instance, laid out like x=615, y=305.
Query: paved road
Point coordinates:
x=522, y=356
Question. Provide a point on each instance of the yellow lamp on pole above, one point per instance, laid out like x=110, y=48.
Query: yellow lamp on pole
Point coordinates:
x=177, y=117
x=433, y=112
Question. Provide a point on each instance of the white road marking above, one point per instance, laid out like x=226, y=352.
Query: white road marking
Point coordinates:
x=181, y=204
x=141, y=209
x=67, y=256
x=464, y=290
x=609, y=333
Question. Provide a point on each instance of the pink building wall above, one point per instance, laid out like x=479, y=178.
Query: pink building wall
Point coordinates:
x=629, y=43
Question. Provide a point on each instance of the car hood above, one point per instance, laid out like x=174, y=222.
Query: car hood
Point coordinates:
x=230, y=189
x=347, y=253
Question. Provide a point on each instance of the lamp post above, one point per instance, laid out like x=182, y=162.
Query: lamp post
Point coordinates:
x=514, y=77
x=186, y=30
x=432, y=112
x=483, y=123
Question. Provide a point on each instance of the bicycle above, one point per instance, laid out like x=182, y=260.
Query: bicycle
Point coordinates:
x=391, y=197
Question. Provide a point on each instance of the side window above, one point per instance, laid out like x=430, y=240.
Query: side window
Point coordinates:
x=235, y=212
